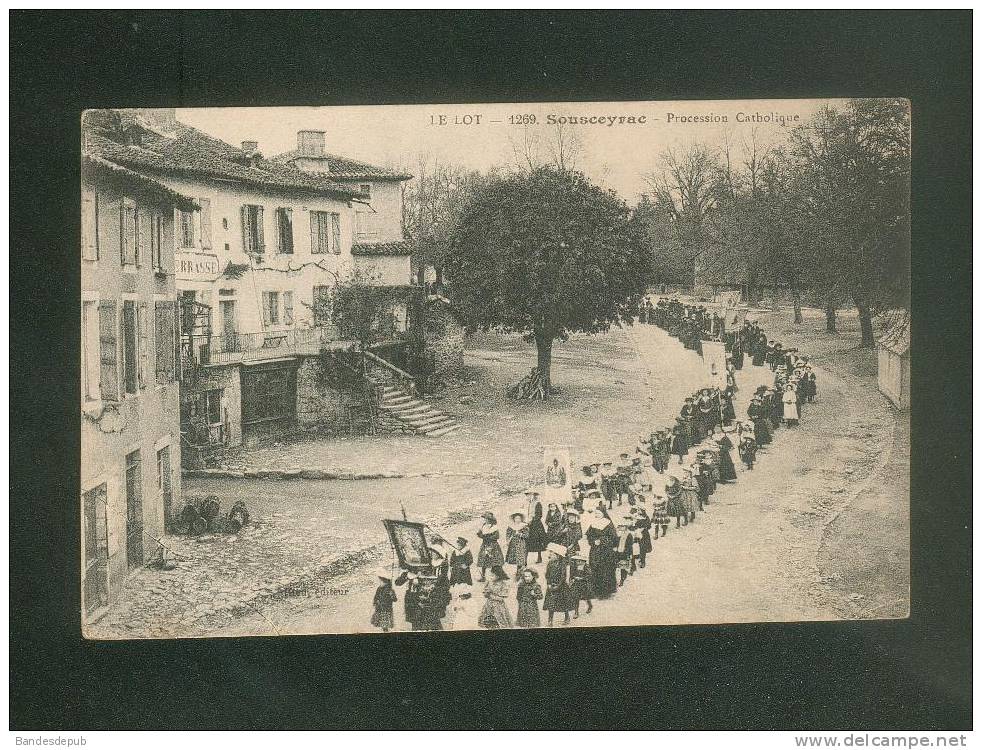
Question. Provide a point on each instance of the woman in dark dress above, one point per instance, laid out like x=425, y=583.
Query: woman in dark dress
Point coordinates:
x=760, y=351
x=537, y=533
x=727, y=471
x=675, y=501
x=554, y=524
x=602, y=538
x=679, y=444
x=558, y=598
x=572, y=532
x=490, y=554
x=461, y=560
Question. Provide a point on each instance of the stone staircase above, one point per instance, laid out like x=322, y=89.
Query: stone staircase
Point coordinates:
x=415, y=413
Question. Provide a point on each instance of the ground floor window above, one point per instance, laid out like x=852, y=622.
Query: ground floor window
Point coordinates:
x=96, y=582
x=134, y=510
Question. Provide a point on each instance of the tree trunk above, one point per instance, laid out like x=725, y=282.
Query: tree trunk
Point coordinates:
x=865, y=324
x=543, y=345
x=830, y=315
x=796, y=297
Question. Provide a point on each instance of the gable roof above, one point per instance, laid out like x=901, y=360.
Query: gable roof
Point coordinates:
x=342, y=168
x=129, y=142
x=142, y=182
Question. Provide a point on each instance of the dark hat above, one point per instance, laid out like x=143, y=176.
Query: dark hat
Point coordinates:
x=461, y=542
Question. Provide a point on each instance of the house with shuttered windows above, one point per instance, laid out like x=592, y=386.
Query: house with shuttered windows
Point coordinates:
x=130, y=426
x=264, y=244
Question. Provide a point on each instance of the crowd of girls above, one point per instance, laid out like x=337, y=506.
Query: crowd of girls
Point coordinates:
x=599, y=535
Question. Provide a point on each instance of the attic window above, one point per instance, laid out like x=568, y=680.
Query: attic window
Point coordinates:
x=365, y=189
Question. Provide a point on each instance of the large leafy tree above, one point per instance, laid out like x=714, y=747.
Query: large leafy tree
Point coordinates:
x=855, y=172
x=546, y=253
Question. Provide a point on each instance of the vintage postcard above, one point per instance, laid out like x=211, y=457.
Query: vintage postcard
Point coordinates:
x=485, y=366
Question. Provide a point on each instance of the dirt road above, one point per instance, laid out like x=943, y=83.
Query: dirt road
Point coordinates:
x=788, y=541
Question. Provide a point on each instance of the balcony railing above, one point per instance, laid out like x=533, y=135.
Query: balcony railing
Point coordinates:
x=230, y=348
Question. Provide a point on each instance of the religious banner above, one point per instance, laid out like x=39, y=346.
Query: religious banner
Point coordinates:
x=557, y=465
x=728, y=299
x=714, y=355
x=733, y=318
x=408, y=539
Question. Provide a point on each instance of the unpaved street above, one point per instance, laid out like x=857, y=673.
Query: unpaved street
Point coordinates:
x=792, y=540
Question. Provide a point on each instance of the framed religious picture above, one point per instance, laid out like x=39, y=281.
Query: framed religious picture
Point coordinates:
x=408, y=538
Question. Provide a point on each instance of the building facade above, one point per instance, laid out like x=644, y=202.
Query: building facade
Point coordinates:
x=130, y=426
x=379, y=245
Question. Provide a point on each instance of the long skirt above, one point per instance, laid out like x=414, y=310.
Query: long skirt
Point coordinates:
x=490, y=554
x=762, y=431
x=690, y=500
x=528, y=614
x=558, y=599
x=727, y=471
x=675, y=506
x=495, y=615
x=603, y=563
x=582, y=590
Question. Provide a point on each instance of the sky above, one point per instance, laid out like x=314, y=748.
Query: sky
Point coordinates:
x=613, y=151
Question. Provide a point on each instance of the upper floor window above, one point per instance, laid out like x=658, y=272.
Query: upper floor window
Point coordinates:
x=365, y=189
x=128, y=254
x=325, y=232
x=271, y=308
x=365, y=224
x=186, y=228
x=252, y=230
x=284, y=230
x=90, y=225
x=90, y=351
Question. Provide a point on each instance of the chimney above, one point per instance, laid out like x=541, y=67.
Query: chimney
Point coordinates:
x=310, y=142
x=249, y=147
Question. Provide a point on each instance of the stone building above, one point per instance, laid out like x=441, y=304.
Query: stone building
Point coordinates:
x=130, y=428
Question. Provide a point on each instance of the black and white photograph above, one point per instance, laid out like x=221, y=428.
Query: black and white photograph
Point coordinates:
x=527, y=370
x=456, y=367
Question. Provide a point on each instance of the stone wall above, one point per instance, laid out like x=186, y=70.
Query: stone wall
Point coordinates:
x=444, y=342
x=321, y=400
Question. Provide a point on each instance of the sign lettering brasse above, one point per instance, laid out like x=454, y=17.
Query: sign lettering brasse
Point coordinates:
x=196, y=267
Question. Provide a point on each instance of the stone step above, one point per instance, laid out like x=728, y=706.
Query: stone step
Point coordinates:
x=442, y=431
x=427, y=420
x=393, y=400
x=410, y=408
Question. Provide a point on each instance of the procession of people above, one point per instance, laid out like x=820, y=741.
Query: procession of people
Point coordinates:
x=598, y=531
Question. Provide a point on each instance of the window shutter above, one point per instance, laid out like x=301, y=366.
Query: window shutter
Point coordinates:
x=144, y=343
x=314, y=233
x=90, y=222
x=108, y=354
x=325, y=230
x=205, y=204
x=166, y=341
x=336, y=233
x=122, y=231
x=260, y=238
x=144, y=233
x=246, y=238
x=267, y=301
x=288, y=308
x=284, y=222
